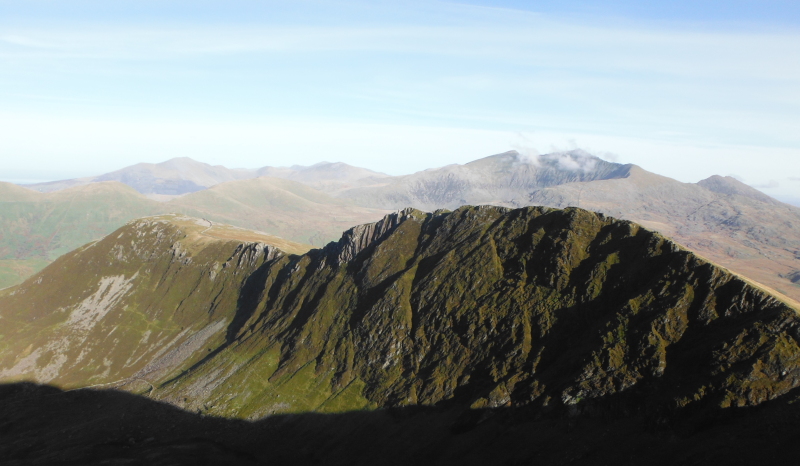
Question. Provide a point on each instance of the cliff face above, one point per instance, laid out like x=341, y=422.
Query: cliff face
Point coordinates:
x=482, y=307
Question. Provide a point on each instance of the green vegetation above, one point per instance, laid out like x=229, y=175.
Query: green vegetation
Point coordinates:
x=36, y=228
x=484, y=306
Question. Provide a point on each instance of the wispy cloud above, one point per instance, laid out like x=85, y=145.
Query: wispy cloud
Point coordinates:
x=542, y=41
x=647, y=93
x=772, y=184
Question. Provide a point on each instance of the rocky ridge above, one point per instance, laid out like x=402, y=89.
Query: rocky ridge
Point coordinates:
x=483, y=307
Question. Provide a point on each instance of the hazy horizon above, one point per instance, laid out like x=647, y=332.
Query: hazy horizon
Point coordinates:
x=685, y=89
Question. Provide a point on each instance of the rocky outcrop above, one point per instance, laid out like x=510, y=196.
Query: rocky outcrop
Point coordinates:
x=359, y=238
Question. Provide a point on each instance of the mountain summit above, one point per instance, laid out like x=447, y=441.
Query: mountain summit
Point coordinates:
x=502, y=179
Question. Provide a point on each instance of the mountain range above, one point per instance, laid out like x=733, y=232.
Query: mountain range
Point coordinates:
x=485, y=334
x=719, y=218
x=183, y=175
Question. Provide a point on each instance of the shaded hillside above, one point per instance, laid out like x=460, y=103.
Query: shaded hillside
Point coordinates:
x=45, y=426
x=484, y=307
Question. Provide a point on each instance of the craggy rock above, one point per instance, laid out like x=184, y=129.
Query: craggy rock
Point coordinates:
x=483, y=307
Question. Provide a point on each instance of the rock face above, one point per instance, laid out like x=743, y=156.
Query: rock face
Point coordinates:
x=482, y=307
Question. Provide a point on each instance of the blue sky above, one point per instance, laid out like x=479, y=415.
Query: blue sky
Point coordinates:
x=685, y=89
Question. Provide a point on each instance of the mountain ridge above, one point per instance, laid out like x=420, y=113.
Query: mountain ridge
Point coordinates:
x=483, y=306
x=480, y=335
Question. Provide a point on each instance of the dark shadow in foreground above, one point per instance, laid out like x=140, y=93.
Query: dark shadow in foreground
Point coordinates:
x=47, y=426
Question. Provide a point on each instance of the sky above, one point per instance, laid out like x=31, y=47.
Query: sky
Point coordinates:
x=686, y=89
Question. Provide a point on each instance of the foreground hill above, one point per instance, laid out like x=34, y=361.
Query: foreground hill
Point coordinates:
x=151, y=293
x=536, y=313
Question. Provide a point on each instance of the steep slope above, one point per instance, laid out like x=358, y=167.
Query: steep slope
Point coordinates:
x=282, y=207
x=500, y=180
x=137, y=304
x=481, y=307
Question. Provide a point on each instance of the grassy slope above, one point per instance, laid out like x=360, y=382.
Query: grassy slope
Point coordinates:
x=155, y=291
x=483, y=307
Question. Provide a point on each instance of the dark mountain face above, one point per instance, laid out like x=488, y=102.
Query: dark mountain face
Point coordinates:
x=492, y=307
x=530, y=334
x=483, y=307
x=531, y=328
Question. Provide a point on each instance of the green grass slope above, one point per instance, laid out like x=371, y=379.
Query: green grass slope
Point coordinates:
x=484, y=307
x=136, y=305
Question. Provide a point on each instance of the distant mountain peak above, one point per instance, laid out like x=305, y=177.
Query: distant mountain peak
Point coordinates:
x=731, y=186
x=576, y=160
